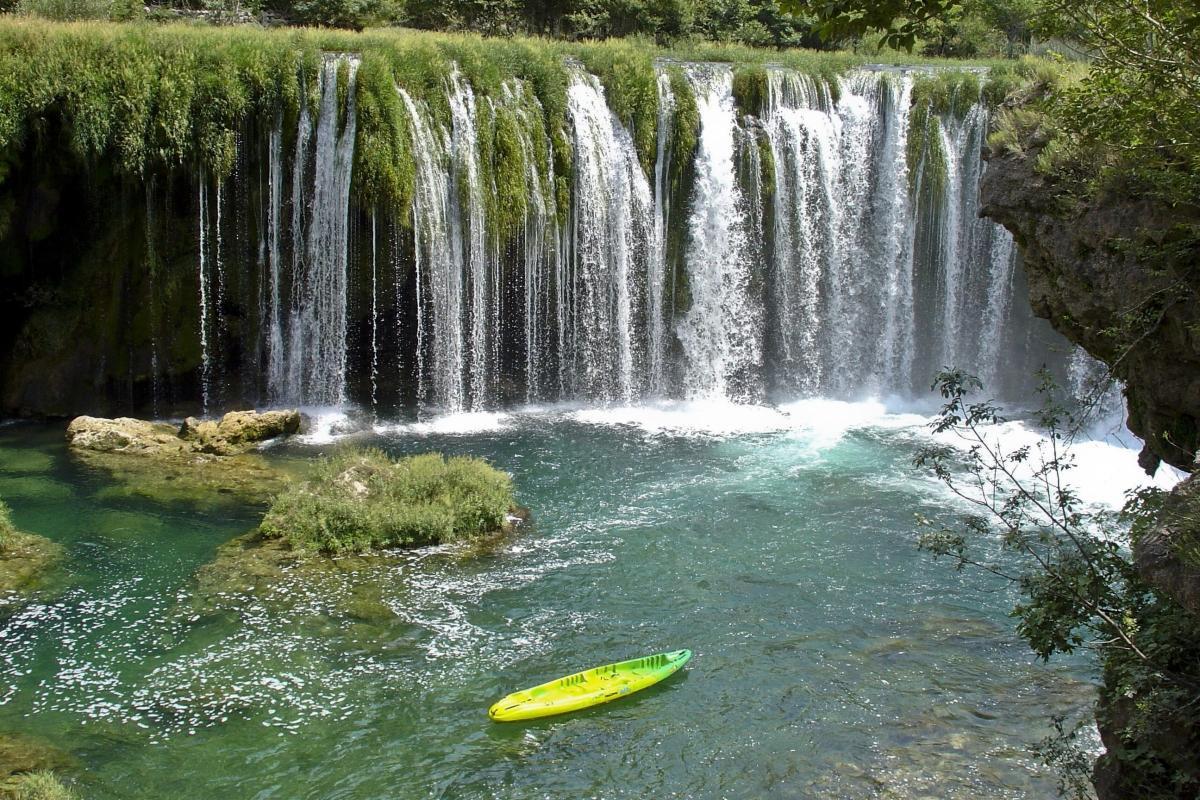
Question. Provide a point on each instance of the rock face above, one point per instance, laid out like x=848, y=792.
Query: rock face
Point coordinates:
x=1090, y=275
x=1089, y=279
x=238, y=430
x=123, y=435
x=200, y=461
x=1168, y=555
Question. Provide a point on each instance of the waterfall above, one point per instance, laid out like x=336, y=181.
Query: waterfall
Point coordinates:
x=824, y=244
x=1002, y=264
x=202, y=282
x=274, y=331
x=719, y=334
x=309, y=366
x=612, y=239
x=439, y=266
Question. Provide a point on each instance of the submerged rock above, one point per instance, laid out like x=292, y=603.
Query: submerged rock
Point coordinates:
x=25, y=562
x=24, y=757
x=200, y=460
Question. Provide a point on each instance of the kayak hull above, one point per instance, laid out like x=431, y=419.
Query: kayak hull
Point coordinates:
x=589, y=688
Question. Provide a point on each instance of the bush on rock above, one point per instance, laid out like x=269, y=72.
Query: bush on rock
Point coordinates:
x=363, y=499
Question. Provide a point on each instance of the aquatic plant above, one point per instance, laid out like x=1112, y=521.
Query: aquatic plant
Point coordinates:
x=361, y=500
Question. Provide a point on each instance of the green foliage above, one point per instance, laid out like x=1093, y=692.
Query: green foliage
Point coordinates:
x=67, y=10
x=626, y=69
x=750, y=88
x=355, y=14
x=926, y=155
x=1079, y=586
x=363, y=500
x=40, y=785
x=950, y=92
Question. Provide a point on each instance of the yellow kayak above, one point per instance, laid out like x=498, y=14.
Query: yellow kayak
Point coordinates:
x=589, y=688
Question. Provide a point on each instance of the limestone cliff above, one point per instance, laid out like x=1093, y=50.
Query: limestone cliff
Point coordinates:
x=1090, y=276
x=1114, y=272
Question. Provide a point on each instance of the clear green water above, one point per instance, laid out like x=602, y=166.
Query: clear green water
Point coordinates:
x=832, y=658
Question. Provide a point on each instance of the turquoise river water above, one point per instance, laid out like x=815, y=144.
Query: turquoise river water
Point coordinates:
x=832, y=658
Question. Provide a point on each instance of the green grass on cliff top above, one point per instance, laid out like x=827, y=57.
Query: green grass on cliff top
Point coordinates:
x=151, y=97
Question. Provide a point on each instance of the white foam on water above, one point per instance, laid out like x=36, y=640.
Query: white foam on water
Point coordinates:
x=325, y=425
x=708, y=418
x=459, y=424
x=1102, y=472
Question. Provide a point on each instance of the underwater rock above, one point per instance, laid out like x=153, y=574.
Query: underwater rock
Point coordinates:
x=25, y=560
x=21, y=754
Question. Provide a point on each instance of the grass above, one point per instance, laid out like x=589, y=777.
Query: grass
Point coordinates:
x=40, y=785
x=361, y=500
x=150, y=98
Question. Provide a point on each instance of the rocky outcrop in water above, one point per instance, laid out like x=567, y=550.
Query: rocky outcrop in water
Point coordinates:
x=194, y=462
x=1090, y=276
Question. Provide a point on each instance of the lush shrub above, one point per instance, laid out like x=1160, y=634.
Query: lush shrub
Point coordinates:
x=363, y=500
x=64, y=10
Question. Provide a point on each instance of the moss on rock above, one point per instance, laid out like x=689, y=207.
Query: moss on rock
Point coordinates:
x=25, y=560
x=27, y=766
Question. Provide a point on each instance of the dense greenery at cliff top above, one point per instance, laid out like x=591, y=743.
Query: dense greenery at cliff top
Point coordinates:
x=363, y=500
x=154, y=97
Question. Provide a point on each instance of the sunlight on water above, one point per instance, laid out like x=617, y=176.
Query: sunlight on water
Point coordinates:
x=777, y=542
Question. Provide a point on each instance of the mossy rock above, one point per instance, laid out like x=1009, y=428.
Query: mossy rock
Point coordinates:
x=39, y=785
x=26, y=561
x=204, y=462
x=26, y=768
x=193, y=478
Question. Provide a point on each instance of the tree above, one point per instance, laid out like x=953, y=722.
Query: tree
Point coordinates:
x=1078, y=584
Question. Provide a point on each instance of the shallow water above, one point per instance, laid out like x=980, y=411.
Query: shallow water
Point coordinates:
x=832, y=658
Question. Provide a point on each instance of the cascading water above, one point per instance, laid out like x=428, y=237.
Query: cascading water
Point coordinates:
x=825, y=244
x=307, y=341
x=611, y=246
x=720, y=333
